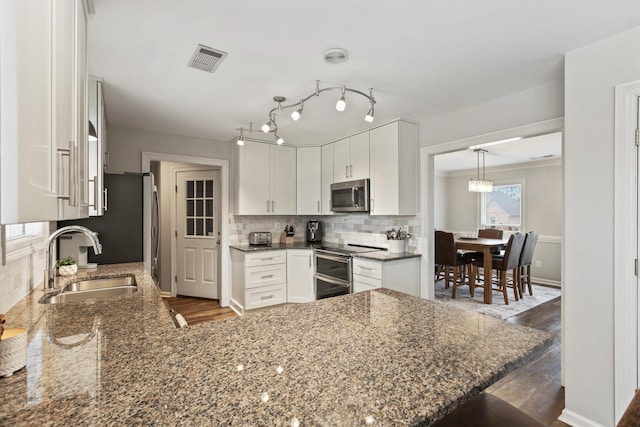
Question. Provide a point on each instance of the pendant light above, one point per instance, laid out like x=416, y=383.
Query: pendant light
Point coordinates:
x=341, y=104
x=480, y=185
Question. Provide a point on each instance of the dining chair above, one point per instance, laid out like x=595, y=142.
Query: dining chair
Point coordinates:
x=448, y=258
x=490, y=233
x=509, y=262
x=526, y=257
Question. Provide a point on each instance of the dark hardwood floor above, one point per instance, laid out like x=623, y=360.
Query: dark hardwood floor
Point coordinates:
x=535, y=388
x=199, y=310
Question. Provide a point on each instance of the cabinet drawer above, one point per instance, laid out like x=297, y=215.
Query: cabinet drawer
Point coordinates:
x=265, y=296
x=265, y=258
x=367, y=268
x=265, y=275
x=361, y=283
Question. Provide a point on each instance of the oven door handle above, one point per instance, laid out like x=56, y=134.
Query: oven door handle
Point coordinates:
x=340, y=258
x=332, y=280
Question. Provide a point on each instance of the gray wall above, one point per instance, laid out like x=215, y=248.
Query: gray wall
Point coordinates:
x=458, y=210
x=126, y=146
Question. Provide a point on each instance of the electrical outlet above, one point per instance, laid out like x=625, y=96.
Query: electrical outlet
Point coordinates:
x=538, y=264
x=277, y=226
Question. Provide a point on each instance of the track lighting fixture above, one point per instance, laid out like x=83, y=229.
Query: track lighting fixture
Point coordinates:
x=341, y=105
x=298, y=113
x=240, y=140
x=279, y=140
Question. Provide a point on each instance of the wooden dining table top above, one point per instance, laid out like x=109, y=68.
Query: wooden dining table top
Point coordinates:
x=478, y=243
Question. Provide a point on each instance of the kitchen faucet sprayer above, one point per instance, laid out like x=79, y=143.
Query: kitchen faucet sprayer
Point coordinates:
x=49, y=273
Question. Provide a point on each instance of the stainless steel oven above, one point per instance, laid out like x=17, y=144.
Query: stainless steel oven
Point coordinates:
x=333, y=274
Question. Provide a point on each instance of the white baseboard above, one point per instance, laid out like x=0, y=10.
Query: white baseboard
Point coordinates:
x=548, y=282
x=165, y=294
x=577, y=420
x=235, y=307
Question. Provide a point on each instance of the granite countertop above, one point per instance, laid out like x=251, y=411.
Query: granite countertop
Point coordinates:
x=245, y=247
x=386, y=255
x=371, y=358
x=381, y=255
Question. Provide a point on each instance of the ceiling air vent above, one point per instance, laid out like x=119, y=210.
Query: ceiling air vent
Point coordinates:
x=207, y=59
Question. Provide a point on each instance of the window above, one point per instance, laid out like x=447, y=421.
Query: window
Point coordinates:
x=23, y=239
x=502, y=208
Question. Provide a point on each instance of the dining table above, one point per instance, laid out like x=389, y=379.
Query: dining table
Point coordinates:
x=487, y=247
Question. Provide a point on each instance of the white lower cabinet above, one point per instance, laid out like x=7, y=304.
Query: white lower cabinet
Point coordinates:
x=401, y=275
x=259, y=279
x=300, y=270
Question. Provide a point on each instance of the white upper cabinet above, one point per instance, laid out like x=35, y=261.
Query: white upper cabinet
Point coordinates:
x=97, y=147
x=70, y=122
x=309, y=181
x=283, y=180
x=394, y=166
x=351, y=158
x=28, y=154
x=327, y=178
x=265, y=179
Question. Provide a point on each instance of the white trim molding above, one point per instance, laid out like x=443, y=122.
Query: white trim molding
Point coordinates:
x=577, y=420
x=225, y=177
x=625, y=250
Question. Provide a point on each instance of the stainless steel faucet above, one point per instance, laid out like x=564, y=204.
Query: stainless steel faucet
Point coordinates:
x=49, y=274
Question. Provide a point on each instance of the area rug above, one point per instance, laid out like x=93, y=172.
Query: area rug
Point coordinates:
x=498, y=309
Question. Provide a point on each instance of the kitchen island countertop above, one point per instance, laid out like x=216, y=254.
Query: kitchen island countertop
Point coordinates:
x=378, y=357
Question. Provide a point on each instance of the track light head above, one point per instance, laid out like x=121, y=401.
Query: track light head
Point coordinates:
x=278, y=139
x=266, y=127
x=369, y=116
x=341, y=104
x=297, y=113
x=240, y=141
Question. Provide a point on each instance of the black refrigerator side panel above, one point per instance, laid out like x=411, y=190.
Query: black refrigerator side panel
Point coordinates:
x=120, y=228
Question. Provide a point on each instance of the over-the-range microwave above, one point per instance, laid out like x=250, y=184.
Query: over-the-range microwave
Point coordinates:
x=350, y=196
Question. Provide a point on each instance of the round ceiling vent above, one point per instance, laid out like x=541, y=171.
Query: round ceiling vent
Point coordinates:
x=335, y=55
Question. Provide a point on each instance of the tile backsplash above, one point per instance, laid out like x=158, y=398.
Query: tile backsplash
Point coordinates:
x=360, y=229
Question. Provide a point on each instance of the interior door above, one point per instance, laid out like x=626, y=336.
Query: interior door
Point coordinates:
x=197, y=234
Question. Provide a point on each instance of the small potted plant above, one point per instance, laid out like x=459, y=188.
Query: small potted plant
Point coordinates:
x=67, y=266
x=397, y=240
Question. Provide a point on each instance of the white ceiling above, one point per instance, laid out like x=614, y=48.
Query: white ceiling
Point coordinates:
x=421, y=57
x=534, y=149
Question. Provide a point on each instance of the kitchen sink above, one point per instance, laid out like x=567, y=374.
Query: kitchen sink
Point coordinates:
x=99, y=287
x=100, y=283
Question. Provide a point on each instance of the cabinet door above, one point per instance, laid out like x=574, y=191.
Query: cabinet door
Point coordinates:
x=69, y=107
x=27, y=153
x=359, y=165
x=327, y=178
x=252, y=179
x=341, y=160
x=384, y=170
x=300, y=272
x=309, y=178
x=283, y=180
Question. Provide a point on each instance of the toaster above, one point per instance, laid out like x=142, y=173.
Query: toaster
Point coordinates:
x=259, y=238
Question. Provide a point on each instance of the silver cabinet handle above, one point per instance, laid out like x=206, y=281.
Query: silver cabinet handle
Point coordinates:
x=273, y=206
x=106, y=200
x=266, y=259
x=310, y=264
x=318, y=206
x=351, y=171
x=365, y=268
x=266, y=297
x=267, y=276
x=62, y=153
x=267, y=206
x=95, y=192
x=73, y=177
x=346, y=171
